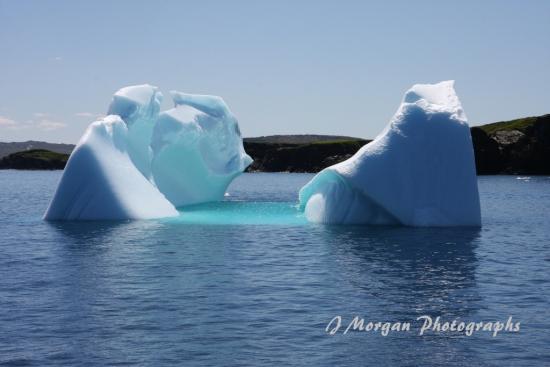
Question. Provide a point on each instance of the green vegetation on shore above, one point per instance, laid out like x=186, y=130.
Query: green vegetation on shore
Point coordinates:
x=358, y=143
x=517, y=124
x=41, y=154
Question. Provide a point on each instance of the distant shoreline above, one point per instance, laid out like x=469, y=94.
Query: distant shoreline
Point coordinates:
x=515, y=147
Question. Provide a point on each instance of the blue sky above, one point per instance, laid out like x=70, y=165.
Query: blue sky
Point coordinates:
x=325, y=67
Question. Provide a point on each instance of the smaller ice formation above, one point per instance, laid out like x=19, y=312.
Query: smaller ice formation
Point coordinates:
x=419, y=171
x=139, y=107
x=201, y=137
x=114, y=174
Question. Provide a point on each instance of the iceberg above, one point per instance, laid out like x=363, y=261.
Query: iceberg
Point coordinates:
x=101, y=182
x=419, y=171
x=193, y=151
x=197, y=150
x=139, y=107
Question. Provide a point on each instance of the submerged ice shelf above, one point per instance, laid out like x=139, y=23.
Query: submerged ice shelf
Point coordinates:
x=241, y=213
x=419, y=171
x=139, y=164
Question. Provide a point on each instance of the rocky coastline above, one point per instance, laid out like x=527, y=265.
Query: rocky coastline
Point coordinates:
x=516, y=147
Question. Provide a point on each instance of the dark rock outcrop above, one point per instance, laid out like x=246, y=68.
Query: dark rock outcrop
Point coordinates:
x=523, y=148
x=487, y=153
x=530, y=153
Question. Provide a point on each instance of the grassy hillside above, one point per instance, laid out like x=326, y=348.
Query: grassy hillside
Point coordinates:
x=517, y=124
x=41, y=154
x=14, y=147
x=299, y=139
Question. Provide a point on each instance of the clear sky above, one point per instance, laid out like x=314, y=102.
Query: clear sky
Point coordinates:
x=323, y=67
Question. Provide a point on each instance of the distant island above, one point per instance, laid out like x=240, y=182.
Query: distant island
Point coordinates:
x=520, y=146
x=34, y=159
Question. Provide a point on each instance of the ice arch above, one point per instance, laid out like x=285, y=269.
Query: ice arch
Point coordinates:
x=113, y=172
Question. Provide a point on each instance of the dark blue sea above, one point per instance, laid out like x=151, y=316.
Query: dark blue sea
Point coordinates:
x=249, y=283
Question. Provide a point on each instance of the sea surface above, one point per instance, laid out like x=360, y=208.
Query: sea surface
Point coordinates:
x=250, y=282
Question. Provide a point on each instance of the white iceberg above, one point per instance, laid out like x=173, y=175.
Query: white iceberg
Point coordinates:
x=197, y=151
x=419, y=171
x=101, y=182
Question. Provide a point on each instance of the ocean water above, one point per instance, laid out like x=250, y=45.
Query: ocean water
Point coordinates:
x=250, y=282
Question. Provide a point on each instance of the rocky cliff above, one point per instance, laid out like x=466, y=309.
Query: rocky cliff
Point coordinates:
x=519, y=146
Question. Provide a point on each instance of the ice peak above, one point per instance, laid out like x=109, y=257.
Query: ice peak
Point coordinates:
x=419, y=171
x=439, y=97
